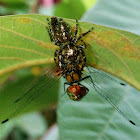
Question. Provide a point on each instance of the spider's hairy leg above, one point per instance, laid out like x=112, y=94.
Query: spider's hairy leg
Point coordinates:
x=82, y=35
x=76, y=31
x=60, y=19
x=51, y=33
x=56, y=54
x=83, y=57
x=83, y=46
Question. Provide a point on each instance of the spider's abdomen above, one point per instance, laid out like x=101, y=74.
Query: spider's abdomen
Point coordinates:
x=71, y=61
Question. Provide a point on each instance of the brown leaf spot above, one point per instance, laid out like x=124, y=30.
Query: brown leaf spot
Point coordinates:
x=24, y=20
x=95, y=33
x=103, y=42
x=128, y=49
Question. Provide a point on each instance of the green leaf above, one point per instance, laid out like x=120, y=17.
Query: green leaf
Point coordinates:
x=16, y=86
x=94, y=118
x=118, y=14
x=24, y=42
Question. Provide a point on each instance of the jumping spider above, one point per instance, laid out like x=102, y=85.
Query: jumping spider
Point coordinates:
x=70, y=57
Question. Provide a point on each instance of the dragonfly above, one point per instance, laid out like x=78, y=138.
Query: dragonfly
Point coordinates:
x=70, y=63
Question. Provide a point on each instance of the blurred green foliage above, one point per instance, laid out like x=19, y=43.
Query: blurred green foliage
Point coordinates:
x=73, y=9
x=9, y=7
x=94, y=118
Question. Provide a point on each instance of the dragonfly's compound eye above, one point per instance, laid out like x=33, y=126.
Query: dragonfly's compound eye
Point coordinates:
x=77, y=92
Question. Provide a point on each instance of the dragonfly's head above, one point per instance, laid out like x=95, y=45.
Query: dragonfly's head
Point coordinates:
x=77, y=92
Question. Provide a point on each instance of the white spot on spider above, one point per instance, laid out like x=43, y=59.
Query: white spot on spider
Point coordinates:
x=59, y=57
x=62, y=27
x=70, y=52
x=60, y=64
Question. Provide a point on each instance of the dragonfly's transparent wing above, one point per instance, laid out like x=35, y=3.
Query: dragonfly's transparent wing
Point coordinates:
x=48, y=78
x=109, y=88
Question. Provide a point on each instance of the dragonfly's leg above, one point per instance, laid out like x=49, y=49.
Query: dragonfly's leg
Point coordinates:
x=65, y=85
x=64, y=89
x=82, y=35
x=87, y=77
x=51, y=33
